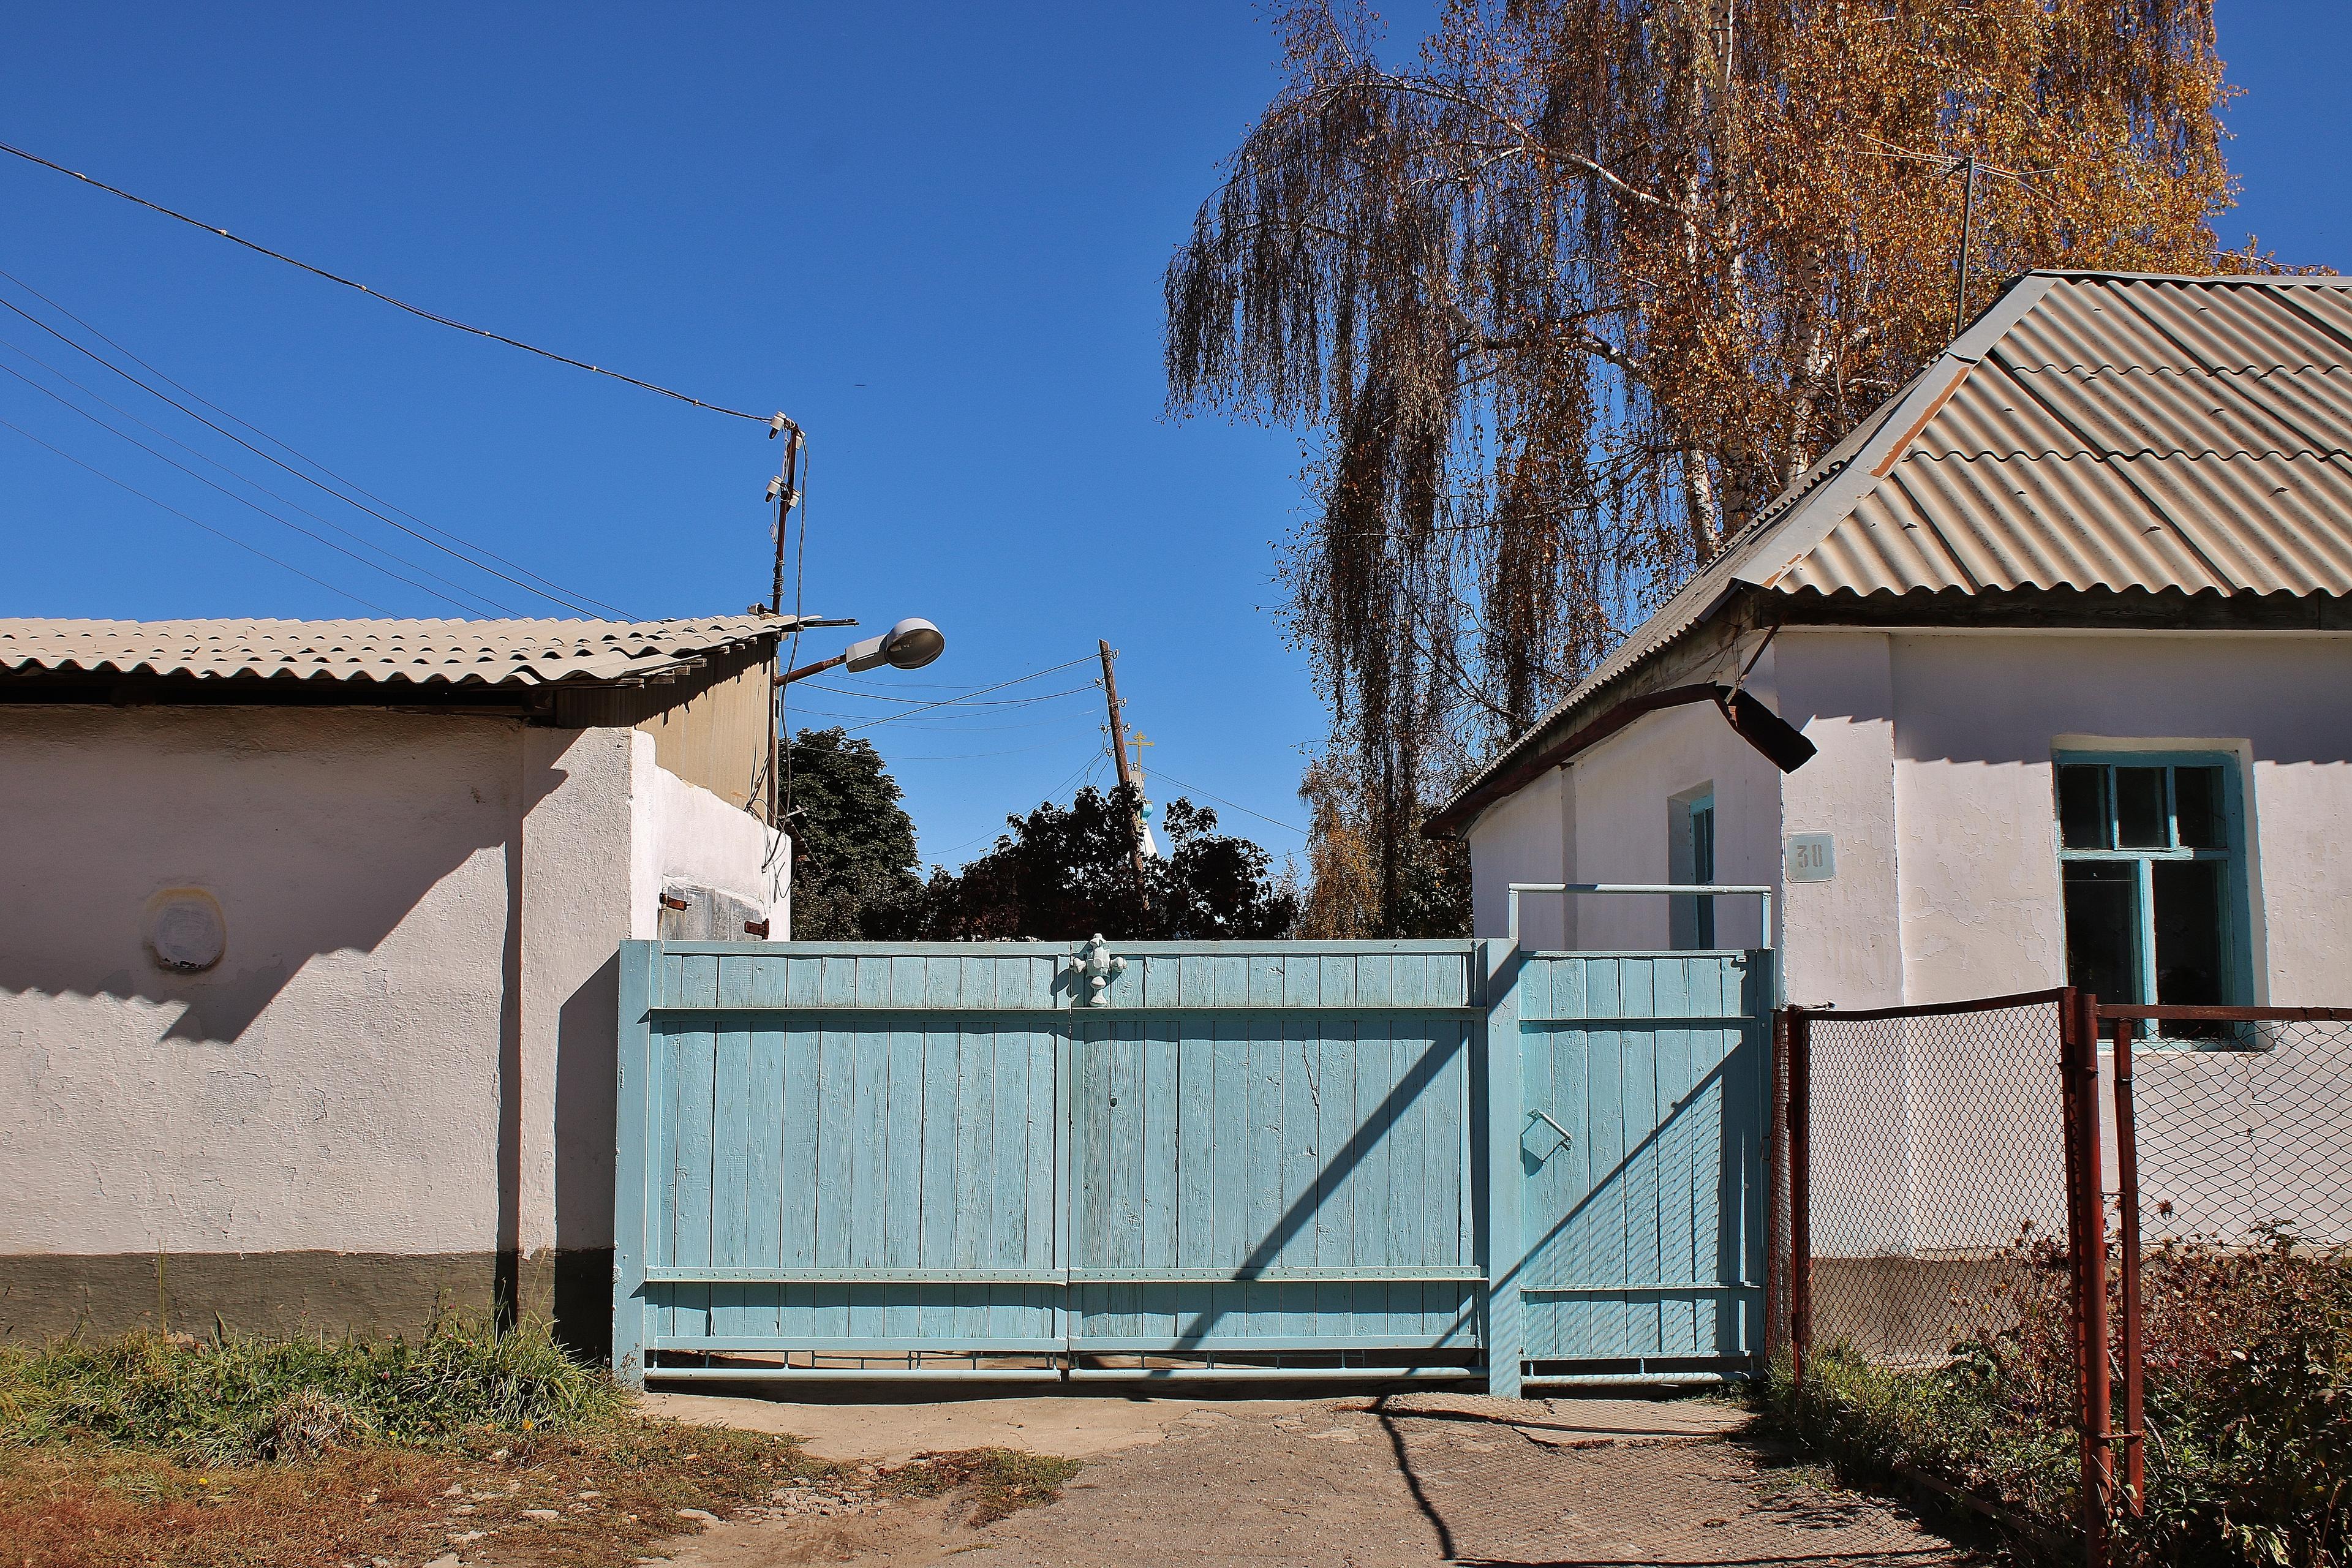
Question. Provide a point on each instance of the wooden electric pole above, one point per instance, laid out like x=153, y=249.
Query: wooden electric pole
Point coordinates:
x=1119, y=754
x=1967, y=170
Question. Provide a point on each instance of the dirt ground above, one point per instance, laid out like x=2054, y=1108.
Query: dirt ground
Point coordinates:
x=1369, y=1483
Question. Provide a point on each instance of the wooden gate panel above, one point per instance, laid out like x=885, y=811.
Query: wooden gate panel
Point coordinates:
x=1644, y=1221
x=1224, y=1160
x=1255, y=1149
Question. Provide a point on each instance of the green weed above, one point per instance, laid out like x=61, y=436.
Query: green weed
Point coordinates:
x=242, y=1400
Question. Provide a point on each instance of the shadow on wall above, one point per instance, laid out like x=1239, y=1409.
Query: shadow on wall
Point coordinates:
x=586, y=1132
x=284, y=897
x=400, y=845
x=2001, y=700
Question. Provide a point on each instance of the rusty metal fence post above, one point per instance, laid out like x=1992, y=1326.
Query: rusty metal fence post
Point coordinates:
x=1776, y=1194
x=1800, y=1193
x=2087, y=1248
x=2132, y=1350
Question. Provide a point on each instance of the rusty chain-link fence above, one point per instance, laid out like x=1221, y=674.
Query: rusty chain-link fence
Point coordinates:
x=2081, y=1212
x=1934, y=1163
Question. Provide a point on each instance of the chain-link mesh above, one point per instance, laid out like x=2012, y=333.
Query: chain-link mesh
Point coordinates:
x=1936, y=1175
x=2244, y=1131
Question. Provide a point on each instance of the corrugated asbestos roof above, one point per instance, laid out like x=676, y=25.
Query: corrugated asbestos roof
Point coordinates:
x=421, y=653
x=2088, y=431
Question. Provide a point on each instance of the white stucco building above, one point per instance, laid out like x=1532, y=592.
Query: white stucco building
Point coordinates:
x=307, y=950
x=2067, y=622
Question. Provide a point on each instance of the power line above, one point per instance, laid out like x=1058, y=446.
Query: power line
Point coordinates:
x=273, y=495
x=1220, y=800
x=208, y=528
x=435, y=544
x=241, y=500
x=569, y=598
x=894, y=718
x=418, y=311
x=984, y=691
x=941, y=703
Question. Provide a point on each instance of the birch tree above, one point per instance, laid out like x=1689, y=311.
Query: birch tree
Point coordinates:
x=1571, y=296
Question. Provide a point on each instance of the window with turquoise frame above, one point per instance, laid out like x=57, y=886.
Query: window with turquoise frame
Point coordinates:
x=2152, y=854
x=1692, y=859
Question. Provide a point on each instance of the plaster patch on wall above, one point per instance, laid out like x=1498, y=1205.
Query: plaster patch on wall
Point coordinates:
x=232, y=1099
x=186, y=930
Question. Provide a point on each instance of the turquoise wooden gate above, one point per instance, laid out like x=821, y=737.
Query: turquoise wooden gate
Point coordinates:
x=940, y=1161
x=1637, y=1165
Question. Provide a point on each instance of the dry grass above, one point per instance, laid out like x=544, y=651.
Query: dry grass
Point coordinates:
x=244, y=1455
x=612, y=1493
x=999, y=1482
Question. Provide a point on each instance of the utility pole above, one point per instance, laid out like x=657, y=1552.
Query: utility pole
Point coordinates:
x=1967, y=170
x=1119, y=753
x=784, y=490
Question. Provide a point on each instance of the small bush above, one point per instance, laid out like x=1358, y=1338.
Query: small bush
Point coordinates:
x=239, y=1400
x=2248, y=1405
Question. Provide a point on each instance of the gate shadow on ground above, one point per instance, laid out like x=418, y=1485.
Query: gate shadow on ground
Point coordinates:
x=1629, y=1503
x=1361, y=1144
x=1421, y=1498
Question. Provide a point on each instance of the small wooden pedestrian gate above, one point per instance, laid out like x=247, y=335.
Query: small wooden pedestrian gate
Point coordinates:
x=938, y=1161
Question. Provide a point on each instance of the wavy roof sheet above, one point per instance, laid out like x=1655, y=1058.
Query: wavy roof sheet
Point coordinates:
x=420, y=653
x=2089, y=430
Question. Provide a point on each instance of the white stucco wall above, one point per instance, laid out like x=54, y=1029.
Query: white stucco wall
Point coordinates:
x=1842, y=941
x=1522, y=839
x=685, y=834
x=1934, y=778
x=1980, y=716
x=332, y=1083
x=1609, y=817
x=407, y=1046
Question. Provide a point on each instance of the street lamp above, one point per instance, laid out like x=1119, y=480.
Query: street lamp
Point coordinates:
x=911, y=645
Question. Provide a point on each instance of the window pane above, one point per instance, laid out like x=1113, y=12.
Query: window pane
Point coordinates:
x=2188, y=933
x=2082, y=806
x=2139, y=809
x=2197, y=807
x=2101, y=928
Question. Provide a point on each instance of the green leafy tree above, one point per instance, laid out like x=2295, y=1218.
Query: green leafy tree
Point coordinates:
x=854, y=859
x=1065, y=873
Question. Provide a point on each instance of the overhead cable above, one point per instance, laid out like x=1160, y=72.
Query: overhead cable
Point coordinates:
x=982, y=691
x=570, y=598
x=557, y=599
x=241, y=500
x=943, y=701
x=208, y=528
x=1220, y=800
x=200, y=457
x=418, y=311
x=894, y=718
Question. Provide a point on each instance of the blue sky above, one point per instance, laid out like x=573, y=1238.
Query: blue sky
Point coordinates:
x=932, y=235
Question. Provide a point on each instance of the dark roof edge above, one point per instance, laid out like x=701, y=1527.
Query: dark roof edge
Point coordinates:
x=1466, y=807
x=1743, y=564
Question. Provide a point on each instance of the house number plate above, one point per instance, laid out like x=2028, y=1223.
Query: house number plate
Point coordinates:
x=1811, y=857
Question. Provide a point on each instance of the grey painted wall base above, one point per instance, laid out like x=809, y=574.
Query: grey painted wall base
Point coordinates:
x=369, y=1294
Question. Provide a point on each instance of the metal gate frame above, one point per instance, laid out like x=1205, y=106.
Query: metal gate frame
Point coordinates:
x=659, y=981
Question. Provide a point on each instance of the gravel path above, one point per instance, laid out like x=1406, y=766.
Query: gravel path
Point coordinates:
x=1417, y=1480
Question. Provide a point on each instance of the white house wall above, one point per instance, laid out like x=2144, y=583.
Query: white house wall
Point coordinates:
x=395, y=1088
x=1618, y=812
x=1980, y=718
x=331, y=1086
x=1522, y=839
x=1942, y=1111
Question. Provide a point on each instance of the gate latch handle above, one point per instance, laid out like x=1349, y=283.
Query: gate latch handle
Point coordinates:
x=1566, y=1140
